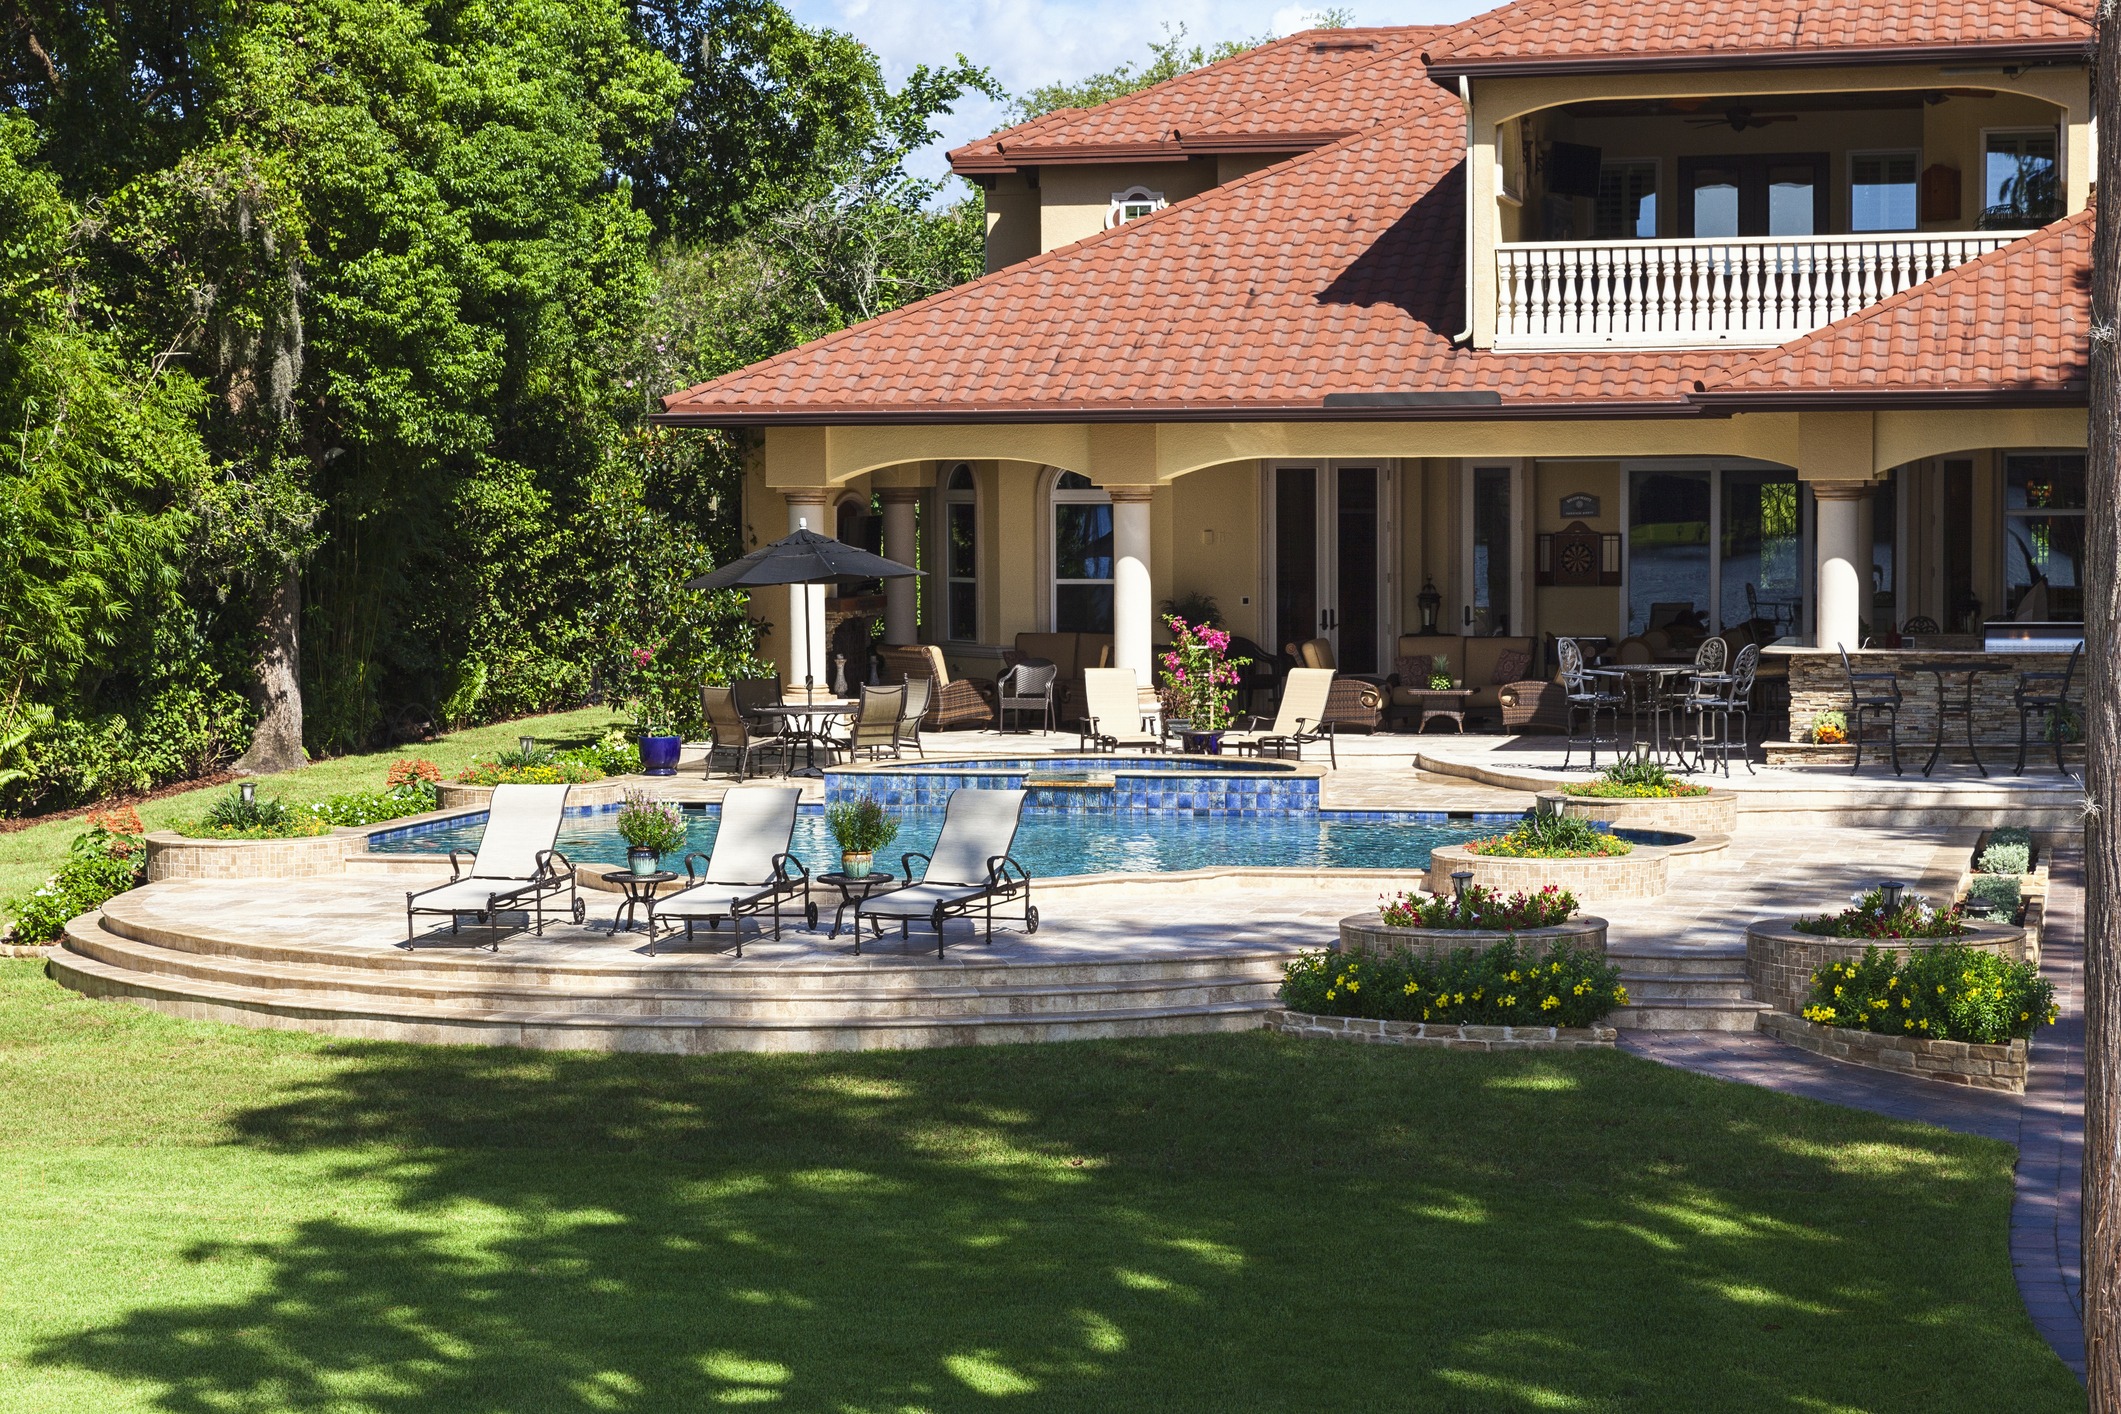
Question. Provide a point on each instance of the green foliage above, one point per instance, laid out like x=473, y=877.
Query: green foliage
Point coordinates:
x=2009, y=851
x=1440, y=673
x=102, y=862
x=647, y=823
x=1481, y=908
x=374, y=807
x=1506, y=985
x=1947, y=991
x=231, y=817
x=1869, y=917
x=552, y=773
x=1994, y=896
x=1545, y=836
x=861, y=825
x=1634, y=778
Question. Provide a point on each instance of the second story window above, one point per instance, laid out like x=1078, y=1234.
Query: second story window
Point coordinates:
x=1627, y=201
x=1131, y=205
x=2021, y=178
x=1882, y=191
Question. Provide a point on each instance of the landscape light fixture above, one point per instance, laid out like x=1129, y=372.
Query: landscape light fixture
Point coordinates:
x=249, y=791
x=1891, y=889
x=526, y=744
x=1459, y=879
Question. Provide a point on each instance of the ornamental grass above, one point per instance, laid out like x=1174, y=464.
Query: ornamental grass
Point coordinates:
x=1499, y=986
x=1633, y=778
x=1946, y=992
x=1552, y=837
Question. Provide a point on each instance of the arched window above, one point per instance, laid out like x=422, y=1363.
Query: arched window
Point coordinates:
x=1082, y=556
x=1131, y=205
x=960, y=555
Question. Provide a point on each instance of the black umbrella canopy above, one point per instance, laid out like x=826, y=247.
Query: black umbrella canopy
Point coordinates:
x=805, y=557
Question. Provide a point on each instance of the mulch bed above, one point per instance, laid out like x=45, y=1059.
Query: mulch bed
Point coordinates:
x=218, y=778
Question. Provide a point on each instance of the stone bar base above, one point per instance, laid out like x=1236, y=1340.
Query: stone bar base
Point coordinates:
x=1818, y=684
x=1954, y=1062
x=1422, y=1033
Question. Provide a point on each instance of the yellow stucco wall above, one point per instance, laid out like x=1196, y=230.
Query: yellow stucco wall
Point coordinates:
x=1073, y=200
x=1012, y=220
x=1575, y=609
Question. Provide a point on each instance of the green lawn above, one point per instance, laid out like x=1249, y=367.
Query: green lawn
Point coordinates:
x=204, y=1218
x=28, y=856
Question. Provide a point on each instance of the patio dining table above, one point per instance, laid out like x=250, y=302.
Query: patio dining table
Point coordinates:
x=811, y=723
x=1645, y=684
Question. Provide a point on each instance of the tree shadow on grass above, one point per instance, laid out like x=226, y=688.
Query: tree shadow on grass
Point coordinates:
x=1199, y=1223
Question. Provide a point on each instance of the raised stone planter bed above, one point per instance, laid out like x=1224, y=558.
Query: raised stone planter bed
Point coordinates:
x=2001, y=1067
x=1713, y=814
x=174, y=856
x=454, y=795
x=1423, y=1033
x=1780, y=961
x=1644, y=873
x=1366, y=932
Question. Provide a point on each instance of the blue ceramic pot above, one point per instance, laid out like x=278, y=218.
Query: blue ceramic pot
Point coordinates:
x=659, y=755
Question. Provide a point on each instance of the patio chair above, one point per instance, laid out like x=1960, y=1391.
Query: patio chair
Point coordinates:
x=2045, y=694
x=874, y=728
x=1113, y=712
x=1869, y=693
x=1677, y=701
x=909, y=720
x=1584, y=697
x=1300, y=719
x=728, y=729
x=969, y=869
x=1027, y=687
x=754, y=698
x=749, y=873
x=1714, y=701
x=516, y=867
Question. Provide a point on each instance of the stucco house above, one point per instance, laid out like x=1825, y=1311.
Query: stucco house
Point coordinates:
x=1587, y=317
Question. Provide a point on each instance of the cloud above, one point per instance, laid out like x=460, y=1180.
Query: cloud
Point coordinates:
x=1026, y=43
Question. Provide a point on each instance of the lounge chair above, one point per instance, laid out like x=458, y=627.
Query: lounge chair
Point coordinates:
x=1299, y=720
x=1113, y=715
x=516, y=867
x=970, y=868
x=750, y=871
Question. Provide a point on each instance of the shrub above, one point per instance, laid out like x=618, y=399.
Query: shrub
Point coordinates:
x=1553, y=837
x=647, y=823
x=610, y=755
x=104, y=860
x=1501, y=986
x=231, y=817
x=861, y=825
x=407, y=769
x=1947, y=991
x=1830, y=728
x=551, y=773
x=1632, y=778
x=2009, y=851
x=1868, y=917
x=1481, y=908
x=1994, y=895
x=413, y=796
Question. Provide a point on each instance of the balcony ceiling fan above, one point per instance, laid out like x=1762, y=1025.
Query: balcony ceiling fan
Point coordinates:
x=1738, y=118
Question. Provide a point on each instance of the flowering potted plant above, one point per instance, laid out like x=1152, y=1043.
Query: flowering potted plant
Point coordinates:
x=1440, y=673
x=1200, y=675
x=651, y=829
x=862, y=827
x=653, y=715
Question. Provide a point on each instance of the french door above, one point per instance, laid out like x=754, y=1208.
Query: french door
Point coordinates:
x=1330, y=562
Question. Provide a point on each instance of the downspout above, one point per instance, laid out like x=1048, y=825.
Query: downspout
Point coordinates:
x=1465, y=97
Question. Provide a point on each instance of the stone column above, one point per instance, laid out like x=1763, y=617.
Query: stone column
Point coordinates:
x=808, y=652
x=1133, y=608
x=1843, y=560
x=900, y=625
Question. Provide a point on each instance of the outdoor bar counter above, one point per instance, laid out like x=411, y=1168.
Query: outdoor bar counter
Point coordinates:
x=1818, y=683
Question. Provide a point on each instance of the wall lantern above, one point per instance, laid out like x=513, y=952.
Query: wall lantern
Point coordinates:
x=1431, y=603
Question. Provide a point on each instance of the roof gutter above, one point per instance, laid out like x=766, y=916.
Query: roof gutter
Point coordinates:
x=1886, y=400
x=1386, y=407
x=1900, y=56
x=1465, y=96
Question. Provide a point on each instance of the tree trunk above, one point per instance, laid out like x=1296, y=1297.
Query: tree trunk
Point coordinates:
x=2102, y=747
x=277, y=744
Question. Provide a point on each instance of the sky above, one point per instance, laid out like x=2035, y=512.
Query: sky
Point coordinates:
x=1026, y=43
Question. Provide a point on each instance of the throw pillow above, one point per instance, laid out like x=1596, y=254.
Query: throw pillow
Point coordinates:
x=1413, y=670
x=1512, y=665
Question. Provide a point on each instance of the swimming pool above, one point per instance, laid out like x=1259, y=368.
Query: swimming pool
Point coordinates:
x=1056, y=844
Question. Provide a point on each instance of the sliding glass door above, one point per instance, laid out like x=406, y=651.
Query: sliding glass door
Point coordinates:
x=1710, y=548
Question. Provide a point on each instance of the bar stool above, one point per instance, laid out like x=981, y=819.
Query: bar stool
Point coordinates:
x=1864, y=700
x=2048, y=694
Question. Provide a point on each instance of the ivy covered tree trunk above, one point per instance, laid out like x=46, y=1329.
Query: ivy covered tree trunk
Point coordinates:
x=2102, y=746
x=277, y=744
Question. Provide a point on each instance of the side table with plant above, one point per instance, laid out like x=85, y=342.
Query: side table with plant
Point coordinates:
x=1199, y=679
x=1440, y=673
x=861, y=827
x=651, y=828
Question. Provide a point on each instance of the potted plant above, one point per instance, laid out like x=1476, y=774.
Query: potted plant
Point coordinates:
x=1440, y=673
x=651, y=829
x=653, y=716
x=1199, y=673
x=1830, y=728
x=862, y=827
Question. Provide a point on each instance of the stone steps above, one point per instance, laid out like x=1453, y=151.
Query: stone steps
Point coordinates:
x=1673, y=988
x=896, y=1007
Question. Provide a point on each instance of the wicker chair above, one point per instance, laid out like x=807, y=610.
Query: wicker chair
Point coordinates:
x=1027, y=687
x=952, y=704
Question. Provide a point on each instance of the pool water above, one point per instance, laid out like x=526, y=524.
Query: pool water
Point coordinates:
x=1056, y=844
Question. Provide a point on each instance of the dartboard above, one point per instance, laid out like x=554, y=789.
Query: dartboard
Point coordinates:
x=1575, y=558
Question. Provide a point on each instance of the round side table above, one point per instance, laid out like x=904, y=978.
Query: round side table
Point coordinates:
x=853, y=888
x=639, y=889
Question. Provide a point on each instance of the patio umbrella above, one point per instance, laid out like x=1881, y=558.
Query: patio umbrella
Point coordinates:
x=805, y=557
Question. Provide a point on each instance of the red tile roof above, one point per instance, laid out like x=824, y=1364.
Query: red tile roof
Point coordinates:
x=1295, y=93
x=2016, y=321
x=1612, y=34
x=1338, y=272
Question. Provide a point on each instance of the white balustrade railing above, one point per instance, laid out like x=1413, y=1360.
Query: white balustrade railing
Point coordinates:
x=1697, y=293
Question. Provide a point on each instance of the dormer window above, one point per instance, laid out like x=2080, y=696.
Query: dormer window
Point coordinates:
x=1133, y=204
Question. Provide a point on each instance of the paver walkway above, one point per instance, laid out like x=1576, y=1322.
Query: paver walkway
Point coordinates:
x=2047, y=1125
